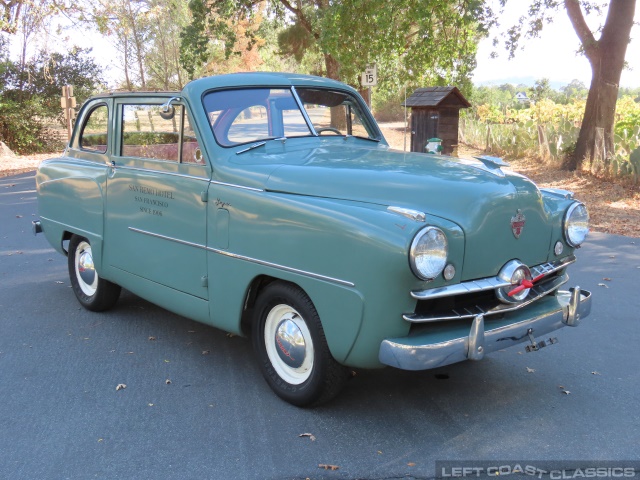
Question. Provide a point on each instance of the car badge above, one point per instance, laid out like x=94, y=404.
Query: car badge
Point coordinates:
x=517, y=223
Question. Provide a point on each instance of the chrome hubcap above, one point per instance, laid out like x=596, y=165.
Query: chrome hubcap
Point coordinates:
x=288, y=344
x=85, y=271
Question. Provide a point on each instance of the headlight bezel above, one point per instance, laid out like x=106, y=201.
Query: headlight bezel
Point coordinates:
x=440, y=258
x=568, y=223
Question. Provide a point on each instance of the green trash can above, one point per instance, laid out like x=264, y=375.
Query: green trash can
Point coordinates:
x=434, y=145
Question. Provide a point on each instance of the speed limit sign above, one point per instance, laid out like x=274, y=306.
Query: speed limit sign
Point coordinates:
x=370, y=76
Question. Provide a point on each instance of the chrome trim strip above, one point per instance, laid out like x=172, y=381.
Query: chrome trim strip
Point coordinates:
x=304, y=111
x=419, y=353
x=490, y=283
x=264, y=263
x=558, y=192
x=171, y=239
x=409, y=213
x=233, y=185
x=537, y=292
x=317, y=276
x=148, y=170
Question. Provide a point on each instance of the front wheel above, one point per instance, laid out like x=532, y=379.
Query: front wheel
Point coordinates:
x=93, y=293
x=291, y=347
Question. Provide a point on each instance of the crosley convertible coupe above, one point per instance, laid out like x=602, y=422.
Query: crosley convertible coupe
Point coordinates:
x=271, y=206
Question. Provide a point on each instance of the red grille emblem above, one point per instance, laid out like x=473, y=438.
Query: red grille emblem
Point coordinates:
x=517, y=223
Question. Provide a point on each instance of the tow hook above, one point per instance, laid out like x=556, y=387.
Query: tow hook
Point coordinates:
x=535, y=346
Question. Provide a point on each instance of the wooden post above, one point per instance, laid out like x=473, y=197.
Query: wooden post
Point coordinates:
x=68, y=104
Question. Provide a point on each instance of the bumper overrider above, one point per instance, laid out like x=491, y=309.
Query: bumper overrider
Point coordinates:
x=447, y=342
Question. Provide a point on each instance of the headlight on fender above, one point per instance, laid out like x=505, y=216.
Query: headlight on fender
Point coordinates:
x=428, y=254
x=576, y=224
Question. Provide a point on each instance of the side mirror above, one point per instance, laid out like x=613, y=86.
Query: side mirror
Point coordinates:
x=167, y=111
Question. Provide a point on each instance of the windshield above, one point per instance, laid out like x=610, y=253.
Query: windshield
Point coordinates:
x=249, y=115
x=334, y=112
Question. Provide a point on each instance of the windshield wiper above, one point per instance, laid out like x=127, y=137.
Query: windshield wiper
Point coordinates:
x=255, y=145
x=260, y=144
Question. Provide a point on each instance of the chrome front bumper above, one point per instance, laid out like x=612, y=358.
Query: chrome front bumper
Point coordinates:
x=445, y=343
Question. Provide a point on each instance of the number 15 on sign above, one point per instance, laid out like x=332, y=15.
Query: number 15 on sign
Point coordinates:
x=370, y=76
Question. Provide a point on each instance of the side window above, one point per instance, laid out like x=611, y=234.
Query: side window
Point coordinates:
x=94, y=131
x=146, y=134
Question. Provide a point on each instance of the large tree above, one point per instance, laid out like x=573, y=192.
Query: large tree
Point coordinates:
x=606, y=55
x=412, y=40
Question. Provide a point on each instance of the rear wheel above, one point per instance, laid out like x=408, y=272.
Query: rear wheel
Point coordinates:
x=290, y=343
x=93, y=293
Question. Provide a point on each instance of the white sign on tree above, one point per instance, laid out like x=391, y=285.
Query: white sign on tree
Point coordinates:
x=370, y=76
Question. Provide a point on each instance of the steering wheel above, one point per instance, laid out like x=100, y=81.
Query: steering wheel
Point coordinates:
x=328, y=129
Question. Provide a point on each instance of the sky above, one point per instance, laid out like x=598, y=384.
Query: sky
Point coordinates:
x=552, y=55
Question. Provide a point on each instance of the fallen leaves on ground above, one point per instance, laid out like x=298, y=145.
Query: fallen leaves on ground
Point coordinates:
x=310, y=435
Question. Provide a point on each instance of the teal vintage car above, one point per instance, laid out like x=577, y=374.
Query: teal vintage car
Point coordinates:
x=270, y=205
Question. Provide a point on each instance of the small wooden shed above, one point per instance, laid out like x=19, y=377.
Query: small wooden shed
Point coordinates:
x=435, y=112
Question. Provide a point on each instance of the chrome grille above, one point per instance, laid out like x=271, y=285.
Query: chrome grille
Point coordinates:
x=477, y=297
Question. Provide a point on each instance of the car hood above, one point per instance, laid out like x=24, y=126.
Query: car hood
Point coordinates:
x=482, y=203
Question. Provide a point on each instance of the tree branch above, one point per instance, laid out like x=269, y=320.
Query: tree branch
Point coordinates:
x=587, y=40
x=304, y=21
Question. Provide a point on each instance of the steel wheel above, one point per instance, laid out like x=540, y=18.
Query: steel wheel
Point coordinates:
x=289, y=344
x=289, y=341
x=85, y=271
x=93, y=293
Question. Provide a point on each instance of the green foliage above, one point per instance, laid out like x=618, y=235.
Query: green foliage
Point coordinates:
x=514, y=132
x=624, y=167
x=31, y=96
x=417, y=42
x=22, y=128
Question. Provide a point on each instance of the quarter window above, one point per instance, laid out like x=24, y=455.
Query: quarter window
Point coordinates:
x=94, y=131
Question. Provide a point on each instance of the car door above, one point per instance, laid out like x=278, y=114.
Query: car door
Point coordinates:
x=156, y=193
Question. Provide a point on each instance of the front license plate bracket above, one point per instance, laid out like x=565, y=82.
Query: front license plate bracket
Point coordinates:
x=535, y=346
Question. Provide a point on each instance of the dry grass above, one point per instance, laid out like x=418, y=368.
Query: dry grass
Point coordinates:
x=613, y=206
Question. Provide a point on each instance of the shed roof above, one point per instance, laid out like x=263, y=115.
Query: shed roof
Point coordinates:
x=434, y=96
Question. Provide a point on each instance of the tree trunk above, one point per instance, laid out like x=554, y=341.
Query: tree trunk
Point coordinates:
x=606, y=57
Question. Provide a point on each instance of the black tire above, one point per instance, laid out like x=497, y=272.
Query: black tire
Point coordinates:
x=302, y=376
x=93, y=293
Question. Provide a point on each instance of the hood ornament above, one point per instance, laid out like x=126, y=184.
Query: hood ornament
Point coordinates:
x=517, y=223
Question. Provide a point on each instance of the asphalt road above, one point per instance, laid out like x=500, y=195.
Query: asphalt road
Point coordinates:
x=196, y=407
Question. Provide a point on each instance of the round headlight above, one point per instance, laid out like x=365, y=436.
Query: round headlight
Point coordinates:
x=576, y=224
x=428, y=255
